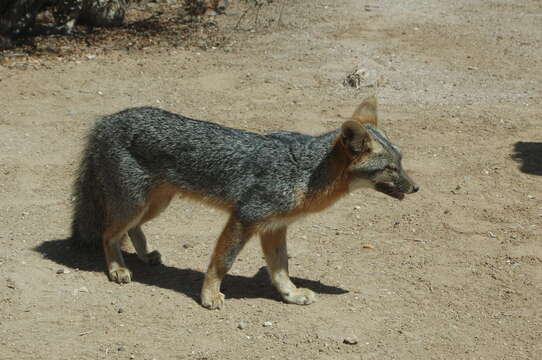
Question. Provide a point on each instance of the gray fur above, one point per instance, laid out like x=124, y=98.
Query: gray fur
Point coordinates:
x=129, y=152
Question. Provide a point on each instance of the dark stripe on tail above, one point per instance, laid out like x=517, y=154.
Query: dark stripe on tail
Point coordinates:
x=88, y=211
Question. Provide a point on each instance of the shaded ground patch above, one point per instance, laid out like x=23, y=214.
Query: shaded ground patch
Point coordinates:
x=529, y=155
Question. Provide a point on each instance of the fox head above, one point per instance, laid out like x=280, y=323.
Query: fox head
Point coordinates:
x=373, y=160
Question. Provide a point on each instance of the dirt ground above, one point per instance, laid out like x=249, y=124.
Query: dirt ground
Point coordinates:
x=455, y=271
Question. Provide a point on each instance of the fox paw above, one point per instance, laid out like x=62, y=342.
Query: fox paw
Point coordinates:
x=154, y=258
x=212, y=301
x=300, y=296
x=120, y=275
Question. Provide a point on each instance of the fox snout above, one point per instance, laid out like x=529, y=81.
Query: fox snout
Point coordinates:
x=398, y=187
x=408, y=186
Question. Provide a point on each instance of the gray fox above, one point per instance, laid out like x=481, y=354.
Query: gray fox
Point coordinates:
x=136, y=160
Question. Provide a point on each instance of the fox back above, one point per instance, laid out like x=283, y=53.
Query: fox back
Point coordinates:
x=253, y=176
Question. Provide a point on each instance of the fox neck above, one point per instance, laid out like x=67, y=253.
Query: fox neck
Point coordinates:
x=329, y=179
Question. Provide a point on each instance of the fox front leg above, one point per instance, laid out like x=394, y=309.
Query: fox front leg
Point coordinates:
x=276, y=256
x=229, y=244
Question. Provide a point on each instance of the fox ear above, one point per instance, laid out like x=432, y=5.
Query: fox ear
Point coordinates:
x=366, y=112
x=355, y=137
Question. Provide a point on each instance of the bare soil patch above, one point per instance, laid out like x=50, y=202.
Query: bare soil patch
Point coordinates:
x=453, y=272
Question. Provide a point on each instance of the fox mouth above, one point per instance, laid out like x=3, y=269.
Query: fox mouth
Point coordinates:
x=390, y=190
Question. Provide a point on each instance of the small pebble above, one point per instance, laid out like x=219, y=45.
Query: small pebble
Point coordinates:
x=10, y=283
x=367, y=246
x=242, y=325
x=121, y=348
x=267, y=324
x=62, y=271
x=351, y=340
x=120, y=310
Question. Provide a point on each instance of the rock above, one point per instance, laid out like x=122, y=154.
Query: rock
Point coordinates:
x=267, y=324
x=242, y=325
x=62, y=271
x=359, y=78
x=120, y=310
x=10, y=283
x=350, y=340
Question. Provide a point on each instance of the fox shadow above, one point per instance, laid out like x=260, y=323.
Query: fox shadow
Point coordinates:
x=529, y=154
x=186, y=281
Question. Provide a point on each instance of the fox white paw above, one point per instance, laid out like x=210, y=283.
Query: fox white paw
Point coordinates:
x=300, y=296
x=212, y=300
x=120, y=275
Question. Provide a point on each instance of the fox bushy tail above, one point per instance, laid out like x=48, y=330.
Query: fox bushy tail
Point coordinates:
x=88, y=210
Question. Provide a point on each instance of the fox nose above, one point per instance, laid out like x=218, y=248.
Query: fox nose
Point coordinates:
x=415, y=188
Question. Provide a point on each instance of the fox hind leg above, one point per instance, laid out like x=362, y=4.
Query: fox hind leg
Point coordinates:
x=140, y=245
x=116, y=267
x=112, y=240
x=275, y=252
x=157, y=200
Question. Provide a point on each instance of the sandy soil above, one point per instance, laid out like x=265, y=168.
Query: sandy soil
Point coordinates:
x=456, y=270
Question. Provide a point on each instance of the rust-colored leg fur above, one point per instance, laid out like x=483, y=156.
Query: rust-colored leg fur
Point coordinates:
x=276, y=256
x=140, y=245
x=229, y=244
x=158, y=199
x=112, y=239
